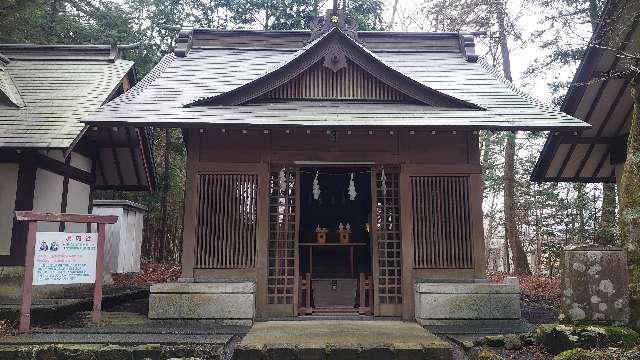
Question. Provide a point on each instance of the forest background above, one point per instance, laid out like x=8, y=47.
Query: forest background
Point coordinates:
x=526, y=224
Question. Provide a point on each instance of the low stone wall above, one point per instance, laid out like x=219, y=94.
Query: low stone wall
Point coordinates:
x=442, y=303
x=229, y=302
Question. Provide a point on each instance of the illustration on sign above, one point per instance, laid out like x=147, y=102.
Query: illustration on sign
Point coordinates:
x=65, y=258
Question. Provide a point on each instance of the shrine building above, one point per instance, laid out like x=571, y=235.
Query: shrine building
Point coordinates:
x=331, y=173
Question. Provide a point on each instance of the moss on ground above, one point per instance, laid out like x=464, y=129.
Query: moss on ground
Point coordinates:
x=485, y=354
x=578, y=354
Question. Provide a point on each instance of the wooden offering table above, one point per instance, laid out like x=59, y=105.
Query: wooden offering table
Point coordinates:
x=314, y=245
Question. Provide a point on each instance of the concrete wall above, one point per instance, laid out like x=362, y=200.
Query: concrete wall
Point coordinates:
x=8, y=187
x=47, y=196
x=124, y=238
x=77, y=202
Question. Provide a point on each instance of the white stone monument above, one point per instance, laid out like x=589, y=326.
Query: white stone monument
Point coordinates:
x=124, y=238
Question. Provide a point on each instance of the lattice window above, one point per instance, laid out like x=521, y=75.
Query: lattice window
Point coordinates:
x=388, y=237
x=282, y=237
x=441, y=222
x=226, y=221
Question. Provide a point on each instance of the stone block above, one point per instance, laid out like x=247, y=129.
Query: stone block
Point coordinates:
x=464, y=301
x=224, y=300
x=595, y=285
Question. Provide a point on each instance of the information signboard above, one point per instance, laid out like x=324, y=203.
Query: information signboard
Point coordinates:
x=65, y=258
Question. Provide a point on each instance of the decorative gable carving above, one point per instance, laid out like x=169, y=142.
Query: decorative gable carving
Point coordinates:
x=351, y=82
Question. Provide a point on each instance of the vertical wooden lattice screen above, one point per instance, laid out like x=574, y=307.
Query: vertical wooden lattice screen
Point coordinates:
x=281, y=274
x=441, y=222
x=388, y=237
x=226, y=221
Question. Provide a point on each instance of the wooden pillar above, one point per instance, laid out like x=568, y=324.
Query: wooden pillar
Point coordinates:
x=408, y=300
x=262, y=239
x=190, y=203
x=477, y=227
x=25, y=191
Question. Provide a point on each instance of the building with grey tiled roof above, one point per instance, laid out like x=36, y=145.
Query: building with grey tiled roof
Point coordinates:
x=331, y=172
x=50, y=160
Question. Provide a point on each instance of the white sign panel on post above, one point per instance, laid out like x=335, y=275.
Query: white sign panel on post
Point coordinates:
x=65, y=258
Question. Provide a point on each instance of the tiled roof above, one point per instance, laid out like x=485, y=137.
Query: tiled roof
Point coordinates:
x=8, y=91
x=54, y=88
x=212, y=68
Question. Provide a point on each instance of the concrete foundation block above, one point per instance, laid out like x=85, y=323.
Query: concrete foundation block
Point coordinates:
x=220, y=301
x=465, y=301
x=595, y=285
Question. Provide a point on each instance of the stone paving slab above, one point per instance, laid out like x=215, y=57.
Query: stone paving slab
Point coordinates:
x=339, y=340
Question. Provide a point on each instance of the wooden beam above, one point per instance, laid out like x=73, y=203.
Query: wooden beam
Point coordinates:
x=116, y=159
x=122, y=187
x=134, y=160
x=605, y=120
x=607, y=153
x=78, y=218
x=65, y=194
x=63, y=169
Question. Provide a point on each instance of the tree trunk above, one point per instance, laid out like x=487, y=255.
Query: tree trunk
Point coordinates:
x=163, y=243
x=520, y=263
x=629, y=218
x=504, y=45
x=537, y=265
x=394, y=10
x=608, y=214
x=486, y=145
x=594, y=14
x=506, y=264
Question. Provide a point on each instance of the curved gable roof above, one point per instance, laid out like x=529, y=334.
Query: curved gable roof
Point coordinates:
x=333, y=43
x=212, y=63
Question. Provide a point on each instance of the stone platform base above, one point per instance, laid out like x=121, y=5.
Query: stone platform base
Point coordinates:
x=309, y=340
x=228, y=302
x=450, y=302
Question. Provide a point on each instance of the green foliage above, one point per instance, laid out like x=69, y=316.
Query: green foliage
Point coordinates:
x=562, y=45
x=621, y=336
x=578, y=354
x=486, y=354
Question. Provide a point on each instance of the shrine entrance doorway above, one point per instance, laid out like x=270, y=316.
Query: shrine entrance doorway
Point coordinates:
x=335, y=241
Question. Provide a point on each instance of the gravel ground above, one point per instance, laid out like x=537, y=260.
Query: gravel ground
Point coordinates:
x=526, y=353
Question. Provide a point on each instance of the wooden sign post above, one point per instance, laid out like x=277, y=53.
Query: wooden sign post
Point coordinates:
x=32, y=219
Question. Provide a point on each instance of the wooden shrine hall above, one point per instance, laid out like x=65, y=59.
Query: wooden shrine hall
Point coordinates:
x=331, y=172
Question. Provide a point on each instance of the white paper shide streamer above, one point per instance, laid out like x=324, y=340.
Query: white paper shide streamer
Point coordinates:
x=352, y=189
x=383, y=179
x=316, y=187
x=282, y=181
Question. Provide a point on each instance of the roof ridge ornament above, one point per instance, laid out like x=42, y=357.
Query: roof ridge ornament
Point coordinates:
x=334, y=18
x=468, y=46
x=184, y=42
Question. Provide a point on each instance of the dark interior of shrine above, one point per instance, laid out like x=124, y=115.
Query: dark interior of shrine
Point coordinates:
x=332, y=207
